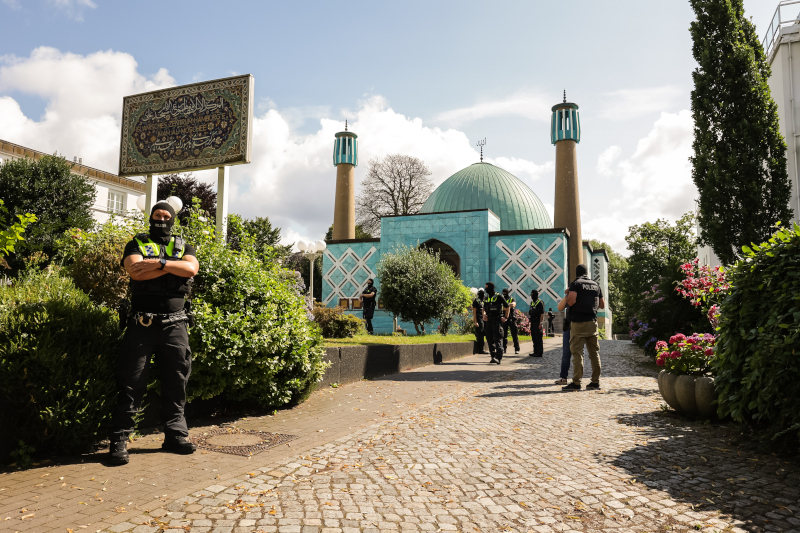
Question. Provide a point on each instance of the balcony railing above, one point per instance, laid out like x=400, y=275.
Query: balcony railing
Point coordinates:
x=779, y=21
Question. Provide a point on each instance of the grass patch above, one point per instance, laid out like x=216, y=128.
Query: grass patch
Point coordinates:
x=403, y=339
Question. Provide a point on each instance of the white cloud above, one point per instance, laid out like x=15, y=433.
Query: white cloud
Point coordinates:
x=73, y=8
x=529, y=105
x=655, y=182
x=628, y=104
x=606, y=159
x=291, y=178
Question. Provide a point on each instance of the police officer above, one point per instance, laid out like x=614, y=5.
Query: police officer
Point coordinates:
x=368, y=299
x=161, y=267
x=510, y=324
x=584, y=298
x=477, y=315
x=495, y=310
x=536, y=313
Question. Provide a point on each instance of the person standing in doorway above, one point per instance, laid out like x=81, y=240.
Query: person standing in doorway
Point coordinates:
x=536, y=314
x=566, y=355
x=161, y=267
x=368, y=303
x=477, y=316
x=510, y=324
x=585, y=298
x=495, y=310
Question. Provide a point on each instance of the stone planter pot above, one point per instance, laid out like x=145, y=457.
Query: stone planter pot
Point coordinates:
x=687, y=394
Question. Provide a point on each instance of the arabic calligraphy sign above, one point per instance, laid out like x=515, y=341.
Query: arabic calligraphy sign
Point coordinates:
x=192, y=127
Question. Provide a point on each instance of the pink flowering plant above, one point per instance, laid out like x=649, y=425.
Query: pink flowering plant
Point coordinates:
x=686, y=355
x=703, y=286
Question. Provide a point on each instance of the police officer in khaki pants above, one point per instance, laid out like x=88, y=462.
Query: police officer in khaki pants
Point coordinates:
x=584, y=299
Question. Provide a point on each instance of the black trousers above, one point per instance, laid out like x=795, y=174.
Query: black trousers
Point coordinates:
x=368, y=314
x=494, y=335
x=510, y=325
x=536, y=336
x=480, y=335
x=170, y=344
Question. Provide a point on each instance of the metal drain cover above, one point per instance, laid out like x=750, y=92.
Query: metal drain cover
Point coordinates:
x=237, y=441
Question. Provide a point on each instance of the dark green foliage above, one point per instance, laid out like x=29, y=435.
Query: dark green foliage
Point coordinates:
x=259, y=235
x=758, y=349
x=57, y=354
x=48, y=189
x=360, y=233
x=416, y=287
x=739, y=162
x=617, y=270
x=253, y=341
x=335, y=324
x=187, y=188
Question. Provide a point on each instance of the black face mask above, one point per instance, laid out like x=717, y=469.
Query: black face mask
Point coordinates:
x=489, y=291
x=161, y=230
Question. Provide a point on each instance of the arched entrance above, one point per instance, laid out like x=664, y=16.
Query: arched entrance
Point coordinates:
x=447, y=255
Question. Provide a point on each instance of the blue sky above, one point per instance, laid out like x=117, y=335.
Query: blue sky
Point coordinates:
x=424, y=78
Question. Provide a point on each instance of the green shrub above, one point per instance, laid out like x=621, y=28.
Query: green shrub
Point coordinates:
x=57, y=356
x=758, y=347
x=252, y=341
x=335, y=324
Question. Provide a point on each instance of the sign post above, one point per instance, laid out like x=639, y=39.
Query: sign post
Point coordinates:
x=192, y=127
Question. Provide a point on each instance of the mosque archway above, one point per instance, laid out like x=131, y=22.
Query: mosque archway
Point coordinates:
x=447, y=254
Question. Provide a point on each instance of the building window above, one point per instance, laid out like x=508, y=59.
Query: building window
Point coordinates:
x=115, y=202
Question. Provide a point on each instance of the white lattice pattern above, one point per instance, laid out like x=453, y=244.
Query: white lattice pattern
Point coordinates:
x=346, y=273
x=529, y=267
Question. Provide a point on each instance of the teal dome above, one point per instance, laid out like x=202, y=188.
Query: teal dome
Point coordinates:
x=485, y=186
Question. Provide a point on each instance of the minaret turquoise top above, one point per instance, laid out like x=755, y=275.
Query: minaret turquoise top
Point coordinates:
x=345, y=150
x=565, y=123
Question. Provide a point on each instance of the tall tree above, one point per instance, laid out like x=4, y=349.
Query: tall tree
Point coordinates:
x=395, y=185
x=48, y=189
x=186, y=187
x=739, y=162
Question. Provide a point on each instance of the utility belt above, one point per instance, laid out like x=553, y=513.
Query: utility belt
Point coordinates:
x=126, y=314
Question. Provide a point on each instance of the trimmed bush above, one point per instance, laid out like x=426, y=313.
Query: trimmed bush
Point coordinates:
x=253, y=341
x=335, y=324
x=57, y=356
x=758, y=348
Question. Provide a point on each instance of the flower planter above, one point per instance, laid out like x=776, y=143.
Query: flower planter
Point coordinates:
x=687, y=394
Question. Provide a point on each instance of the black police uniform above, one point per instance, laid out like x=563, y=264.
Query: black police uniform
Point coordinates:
x=535, y=313
x=583, y=327
x=494, y=305
x=480, y=329
x=369, y=306
x=157, y=324
x=510, y=325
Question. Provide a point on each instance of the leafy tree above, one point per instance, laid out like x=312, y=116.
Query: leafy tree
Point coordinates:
x=11, y=232
x=360, y=233
x=48, y=189
x=459, y=300
x=739, y=162
x=617, y=270
x=258, y=234
x=416, y=287
x=187, y=187
x=395, y=185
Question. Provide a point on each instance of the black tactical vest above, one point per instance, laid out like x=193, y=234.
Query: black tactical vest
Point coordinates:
x=588, y=300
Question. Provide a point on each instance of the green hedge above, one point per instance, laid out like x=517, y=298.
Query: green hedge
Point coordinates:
x=57, y=355
x=758, y=351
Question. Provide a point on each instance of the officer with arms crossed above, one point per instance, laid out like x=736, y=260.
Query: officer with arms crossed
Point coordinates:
x=161, y=268
x=495, y=313
x=510, y=324
x=477, y=314
x=368, y=299
x=584, y=298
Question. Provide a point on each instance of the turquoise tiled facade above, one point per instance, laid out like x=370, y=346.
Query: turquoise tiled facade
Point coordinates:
x=519, y=260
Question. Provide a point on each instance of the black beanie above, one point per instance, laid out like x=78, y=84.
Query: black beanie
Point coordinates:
x=581, y=270
x=165, y=206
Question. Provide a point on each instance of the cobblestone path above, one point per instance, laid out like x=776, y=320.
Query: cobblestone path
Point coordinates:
x=510, y=454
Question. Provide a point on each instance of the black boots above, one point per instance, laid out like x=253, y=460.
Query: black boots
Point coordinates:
x=180, y=445
x=118, y=453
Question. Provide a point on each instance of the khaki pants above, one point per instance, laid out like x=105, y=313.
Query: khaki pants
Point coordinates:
x=584, y=333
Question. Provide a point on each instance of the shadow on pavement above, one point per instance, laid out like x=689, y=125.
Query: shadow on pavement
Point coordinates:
x=698, y=464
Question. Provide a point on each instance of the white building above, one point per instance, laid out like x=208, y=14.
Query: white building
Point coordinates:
x=114, y=194
x=781, y=45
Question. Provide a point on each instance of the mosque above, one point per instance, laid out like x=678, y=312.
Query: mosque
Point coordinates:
x=486, y=224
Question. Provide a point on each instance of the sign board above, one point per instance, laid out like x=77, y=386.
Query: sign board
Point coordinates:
x=191, y=127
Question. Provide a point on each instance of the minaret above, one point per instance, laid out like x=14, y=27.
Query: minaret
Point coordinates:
x=345, y=159
x=565, y=133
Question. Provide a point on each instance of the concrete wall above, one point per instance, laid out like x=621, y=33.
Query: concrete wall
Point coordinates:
x=354, y=363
